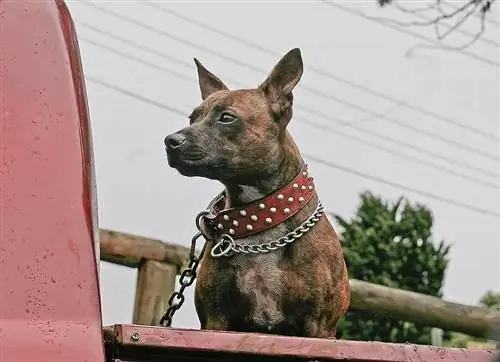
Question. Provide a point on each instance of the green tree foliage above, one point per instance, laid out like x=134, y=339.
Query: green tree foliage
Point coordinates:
x=490, y=300
x=391, y=244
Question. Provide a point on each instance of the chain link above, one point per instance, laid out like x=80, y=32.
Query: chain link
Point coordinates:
x=188, y=275
x=226, y=245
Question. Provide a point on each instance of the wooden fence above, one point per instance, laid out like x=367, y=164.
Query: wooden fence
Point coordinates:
x=158, y=264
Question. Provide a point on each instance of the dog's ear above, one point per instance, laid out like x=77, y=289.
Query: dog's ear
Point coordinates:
x=281, y=81
x=209, y=83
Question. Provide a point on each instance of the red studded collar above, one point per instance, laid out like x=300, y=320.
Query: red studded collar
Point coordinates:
x=262, y=214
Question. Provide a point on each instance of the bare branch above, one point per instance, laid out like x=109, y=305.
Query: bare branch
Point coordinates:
x=461, y=13
x=457, y=25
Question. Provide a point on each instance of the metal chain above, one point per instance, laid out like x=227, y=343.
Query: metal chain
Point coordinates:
x=226, y=245
x=188, y=275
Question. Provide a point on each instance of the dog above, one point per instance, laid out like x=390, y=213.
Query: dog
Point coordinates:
x=297, y=287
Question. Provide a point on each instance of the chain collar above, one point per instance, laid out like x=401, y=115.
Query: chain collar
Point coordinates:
x=226, y=245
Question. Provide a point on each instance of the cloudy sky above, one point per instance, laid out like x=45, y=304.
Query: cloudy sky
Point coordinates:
x=378, y=108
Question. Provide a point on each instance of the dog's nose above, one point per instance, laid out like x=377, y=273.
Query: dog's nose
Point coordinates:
x=174, y=140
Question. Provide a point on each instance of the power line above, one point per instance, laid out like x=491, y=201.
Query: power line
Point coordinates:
x=139, y=60
x=135, y=95
x=311, y=90
x=403, y=156
x=403, y=187
x=325, y=73
x=402, y=143
x=407, y=32
x=135, y=45
x=329, y=118
x=313, y=158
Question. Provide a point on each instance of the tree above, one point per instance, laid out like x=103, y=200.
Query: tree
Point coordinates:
x=445, y=16
x=490, y=300
x=390, y=244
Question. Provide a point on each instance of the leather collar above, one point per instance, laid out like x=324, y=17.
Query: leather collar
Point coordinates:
x=263, y=214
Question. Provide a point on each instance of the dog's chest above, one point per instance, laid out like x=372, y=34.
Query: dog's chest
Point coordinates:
x=259, y=279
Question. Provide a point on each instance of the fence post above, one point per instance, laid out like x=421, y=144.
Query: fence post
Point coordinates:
x=155, y=284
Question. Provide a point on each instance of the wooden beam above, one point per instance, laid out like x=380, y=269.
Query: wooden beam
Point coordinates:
x=127, y=249
x=423, y=309
x=155, y=284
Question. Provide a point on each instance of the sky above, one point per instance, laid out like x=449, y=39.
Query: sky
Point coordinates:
x=378, y=108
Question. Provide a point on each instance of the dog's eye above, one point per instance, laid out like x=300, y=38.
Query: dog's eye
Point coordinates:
x=227, y=118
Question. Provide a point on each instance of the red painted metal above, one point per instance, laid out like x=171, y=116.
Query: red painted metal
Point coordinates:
x=133, y=340
x=49, y=292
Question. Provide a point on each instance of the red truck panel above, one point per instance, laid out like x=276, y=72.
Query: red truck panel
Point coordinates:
x=139, y=343
x=49, y=292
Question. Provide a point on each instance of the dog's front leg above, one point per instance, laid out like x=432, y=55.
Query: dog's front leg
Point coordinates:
x=216, y=323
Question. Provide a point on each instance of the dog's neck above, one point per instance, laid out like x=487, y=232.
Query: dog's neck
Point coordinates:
x=243, y=210
x=289, y=167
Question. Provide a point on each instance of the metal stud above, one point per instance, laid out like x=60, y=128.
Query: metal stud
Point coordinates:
x=272, y=210
x=286, y=210
x=226, y=217
x=295, y=186
x=253, y=217
x=268, y=220
x=249, y=227
x=304, y=173
x=290, y=200
x=243, y=212
x=281, y=197
x=220, y=226
x=262, y=206
x=310, y=188
x=231, y=231
x=303, y=187
x=301, y=199
x=235, y=222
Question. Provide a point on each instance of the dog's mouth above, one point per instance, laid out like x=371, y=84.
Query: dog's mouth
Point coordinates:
x=187, y=163
x=195, y=163
x=184, y=156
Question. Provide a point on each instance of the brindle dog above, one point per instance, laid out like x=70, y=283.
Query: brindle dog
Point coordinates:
x=240, y=138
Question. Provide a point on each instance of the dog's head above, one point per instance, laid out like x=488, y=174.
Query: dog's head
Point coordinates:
x=237, y=135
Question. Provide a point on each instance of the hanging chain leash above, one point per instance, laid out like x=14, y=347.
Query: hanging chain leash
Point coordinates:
x=188, y=275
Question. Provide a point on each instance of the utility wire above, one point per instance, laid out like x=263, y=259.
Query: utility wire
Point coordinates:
x=494, y=63
x=328, y=164
x=311, y=90
x=328, y=74
x=402, y=187
x=137, y=96
x=312, y=111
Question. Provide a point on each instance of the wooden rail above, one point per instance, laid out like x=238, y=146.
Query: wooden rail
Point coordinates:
x=159, y=262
